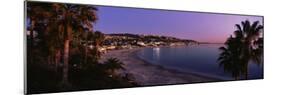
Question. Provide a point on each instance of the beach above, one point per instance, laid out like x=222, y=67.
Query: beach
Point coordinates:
x=146, y=74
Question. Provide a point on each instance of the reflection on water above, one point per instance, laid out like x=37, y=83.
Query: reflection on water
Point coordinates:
x=200, y=59
x=156, y=53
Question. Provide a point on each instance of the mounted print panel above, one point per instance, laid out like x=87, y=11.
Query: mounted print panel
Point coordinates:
x=75, y=47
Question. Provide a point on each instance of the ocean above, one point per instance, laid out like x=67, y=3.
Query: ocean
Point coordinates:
x=198, y=59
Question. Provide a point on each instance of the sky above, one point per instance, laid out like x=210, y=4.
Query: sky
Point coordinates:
x=202, y=27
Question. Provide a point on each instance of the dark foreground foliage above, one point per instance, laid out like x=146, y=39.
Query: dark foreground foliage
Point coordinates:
x=244, y=46
x=63, y=50
x=43, y=79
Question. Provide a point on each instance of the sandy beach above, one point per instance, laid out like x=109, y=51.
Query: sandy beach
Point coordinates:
x=149, y=74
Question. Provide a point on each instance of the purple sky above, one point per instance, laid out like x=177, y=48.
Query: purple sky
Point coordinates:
x=203, y=27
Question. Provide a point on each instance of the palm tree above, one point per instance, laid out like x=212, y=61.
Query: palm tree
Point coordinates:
x=113, y=64
x=88, y=38
x=36, y=14
x=229, y=57
x=99, y=38
x=72, y=18
x=63, y=20
x=246, y=45
x=54, y=43
x=31, y=15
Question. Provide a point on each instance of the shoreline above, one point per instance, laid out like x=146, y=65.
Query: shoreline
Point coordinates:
x=146, y=73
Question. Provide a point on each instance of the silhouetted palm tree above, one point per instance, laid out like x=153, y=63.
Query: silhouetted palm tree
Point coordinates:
x=36, y=16
x=72, y=17
x=229, y=57
x=56, y=34
x=99, y=37
x=246, y=45
x=113, y=64
x=60, y=20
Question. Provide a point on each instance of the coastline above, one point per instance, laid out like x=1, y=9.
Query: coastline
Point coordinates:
x=147, y=74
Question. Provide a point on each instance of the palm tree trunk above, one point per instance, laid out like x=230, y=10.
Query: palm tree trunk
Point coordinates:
x=31, y=41
x=86, y=48
x=65, y=61
x=246, y=73
x=32, y=32
x=86, y=54
x=247, y=57
x=57, y=59
x=66, y=53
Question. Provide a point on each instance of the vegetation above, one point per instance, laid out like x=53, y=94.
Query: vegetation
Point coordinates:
x=63, y=50
x=246, y=45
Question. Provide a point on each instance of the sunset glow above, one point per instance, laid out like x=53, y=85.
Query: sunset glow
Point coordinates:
x=202, y=27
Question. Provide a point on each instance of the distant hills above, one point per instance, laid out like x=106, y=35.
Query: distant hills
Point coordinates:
x=148, y=38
